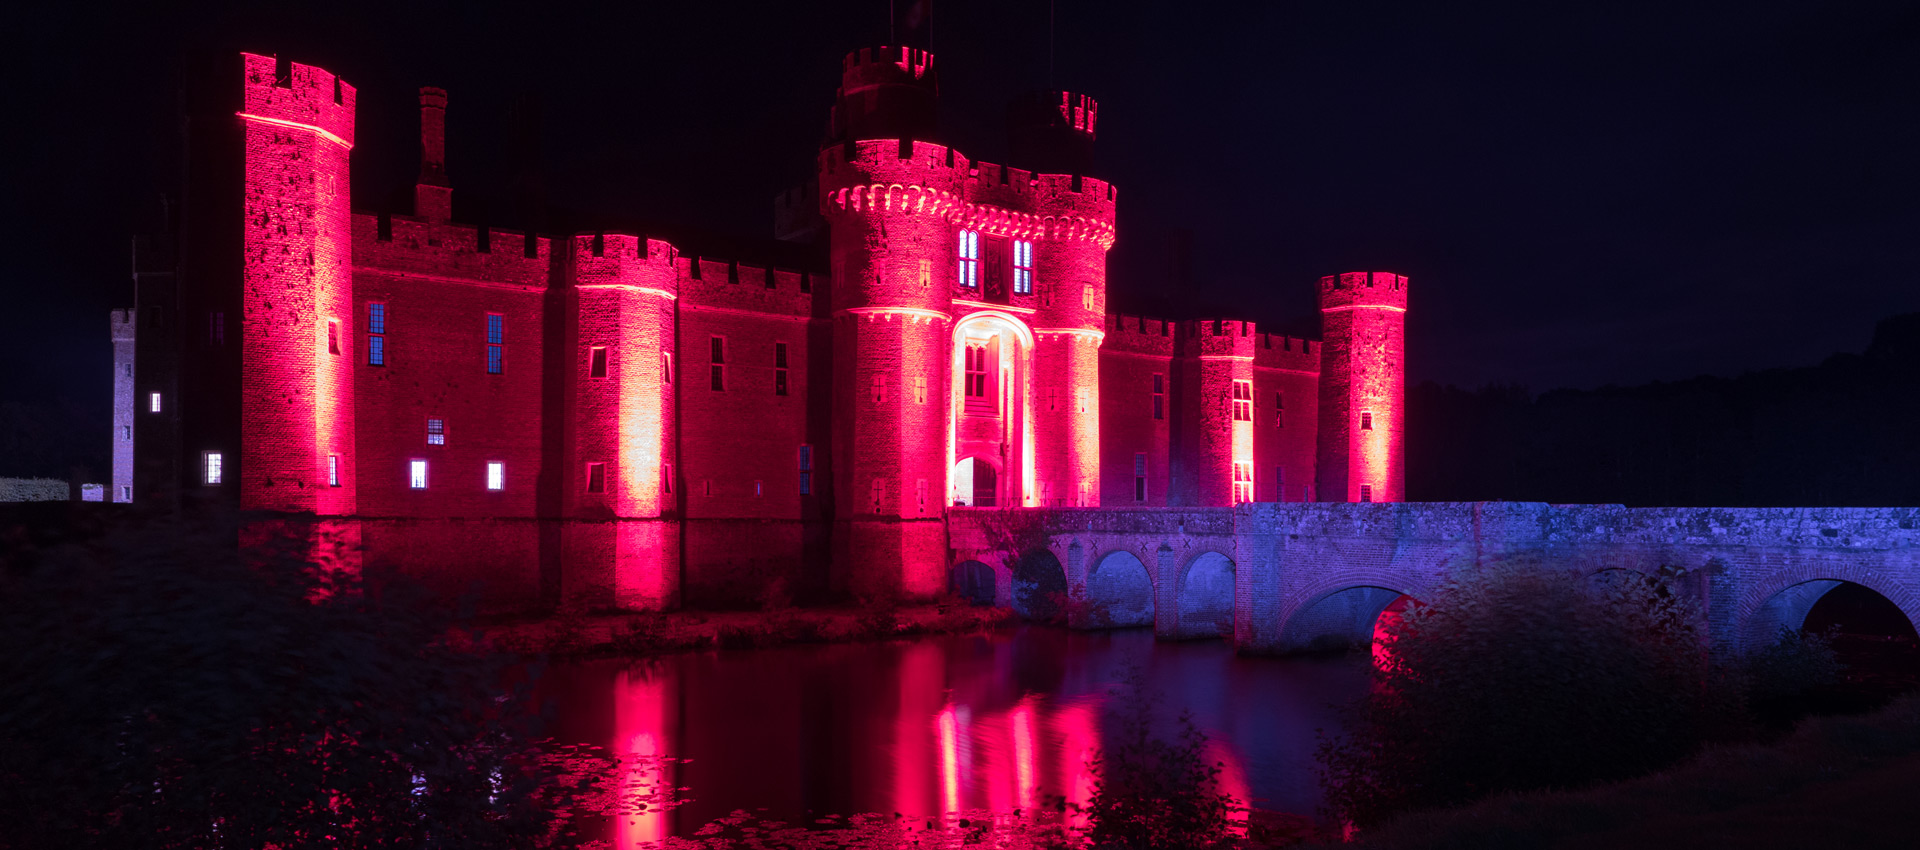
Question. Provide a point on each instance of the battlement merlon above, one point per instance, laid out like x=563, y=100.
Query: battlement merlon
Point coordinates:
x=887, y=92
x=624, y=260
x=1219, y=338
x=1363, y=290
x=912, y=177
x=305, y=98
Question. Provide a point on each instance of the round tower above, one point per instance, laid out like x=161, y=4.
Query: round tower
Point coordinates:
x=1363, y=388
x=887, y=201
x=1052, y=132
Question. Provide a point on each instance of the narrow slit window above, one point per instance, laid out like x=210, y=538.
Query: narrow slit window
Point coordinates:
x=1279, y=483
x=806, y=470
x=1243, y=401
x=920, y=493
x=879, y=387
x=596, y=478
x=417, y=474
x=759, y=488
x=1279, y=409
x=333, y=338
x=496, y=343
x=376, y=334
x=919, y=389
x=153, y=403
x=666, y=479
x=969, y=259
x=496, y=475
x=879, y=493
x=1159, y=396
x=436, y=432
x=597, y=365
x=1022, y=267
x=779, y=368
x=1140, y=476
x=716, y=369
x=333, y=470
x=211, y=461
x=666, y=367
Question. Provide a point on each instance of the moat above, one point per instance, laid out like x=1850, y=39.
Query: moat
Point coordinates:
x=942, y=723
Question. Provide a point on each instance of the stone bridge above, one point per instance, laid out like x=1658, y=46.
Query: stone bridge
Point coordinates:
x=1276, y=577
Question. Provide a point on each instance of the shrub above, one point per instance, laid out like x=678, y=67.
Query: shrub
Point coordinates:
x=1517, y=677
x=1151, y=793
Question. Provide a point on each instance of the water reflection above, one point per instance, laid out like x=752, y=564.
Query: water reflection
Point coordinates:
x=936, y=724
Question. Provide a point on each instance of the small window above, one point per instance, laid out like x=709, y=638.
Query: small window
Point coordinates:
x=129, y=370
x=806, y=470
x=666, y=479
x=211, y=462
x=333, y=470
x=1140, y=476
x=1086, y=297
x=596, y=478
x=1022, y=267
x=779, y=368
x=153, y=403
x=376, y=318
x=759, y=488
x=417, y=474
x=376, y=351
x=1366, y=492
x=1243, y=401
x=597, y=362
x=333, y=337
x=376, y=330
x=126, y=433
x=1279, y=483
x=436, y=432
x=969, y=271
x=1242, y=482
x=1159, y=396
x=706, y=486
x=666, y=367
x=496, y=475
x=1279, y=409
x=496, y=343
x=126, y=493
x=1080, y=398
x=1366, y=421
x=926, y=274
x=976, y=371
x=717, y=373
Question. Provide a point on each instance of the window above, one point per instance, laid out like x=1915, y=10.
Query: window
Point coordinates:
x=1086, y=296
x=376, y=335
x=436, y=432
x=129, y=370
x=333, y=338
x=779, y=368
x=666, y=367
x=210, y=462
x=1242, y=482
x=879, y=493
x=153, y=403
x=126, y=433
x=596, y=478
x=706, y=486
x=1052, y=395
x=666, y=479
x=126, y=493
x=417, y=474
x=717, y=372
x=920, y=493
x=1139, y=476
x=597, y=362
x=879, y=387
x=919, y=389
x=1159, y=396
x=926, y=274
x=806, y=470
x=496, y=343
x=1243, y=401
x=759, y=489
x=976, y=371
x=333, y=470
x=1366, y=421
x=1279, y=483
x=1022, y=267
x=970, y=259
x=1279, y=409
x=496, y=475
x=1366, y=492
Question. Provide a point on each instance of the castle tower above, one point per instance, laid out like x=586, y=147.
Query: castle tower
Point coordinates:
x=1219, y=422
x=1070, y=224
x=1363, y=387
x=891, y=261
x=432, y=194
x=297, y=410
x=623, y=419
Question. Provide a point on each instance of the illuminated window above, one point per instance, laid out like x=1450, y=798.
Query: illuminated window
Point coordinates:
x=436, y=432
x=333, y=337
x=806, y=470
x=417, y=474
x=1279, y=483
x=717, y=371
x=1279, y=410
x=759, y=489
x=596, y=478
x=919, y=389
x=153, y=403
x=1242, y=482
x=1159, y=396
x=1022, y=267
x=779, y=368
x=376, y=334
x=976, y=371
x=970, y=259
x=1366, y=492
x=126, y=493
x=333, y=470
x=210, y=462
x=1366, y=421
x=1243, y=401
x=1140, y=476
x=597, y=362
x=496, y=343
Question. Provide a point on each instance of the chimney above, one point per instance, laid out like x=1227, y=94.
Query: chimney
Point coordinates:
x=432, y=195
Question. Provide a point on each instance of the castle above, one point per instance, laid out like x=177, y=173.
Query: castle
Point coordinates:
x=604, y=418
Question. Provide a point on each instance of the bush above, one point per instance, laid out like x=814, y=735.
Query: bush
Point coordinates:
x=1150, y=793
x=157, y=690
x=1519, y=677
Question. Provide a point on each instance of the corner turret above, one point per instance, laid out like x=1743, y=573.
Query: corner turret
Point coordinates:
x=432, y=194
x=1051, y=132
x=888, y=92
x=1363, y=388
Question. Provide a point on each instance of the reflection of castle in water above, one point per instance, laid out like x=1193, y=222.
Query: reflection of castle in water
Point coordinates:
x=947, y=724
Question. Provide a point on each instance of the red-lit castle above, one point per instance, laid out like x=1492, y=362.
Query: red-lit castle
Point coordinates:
x=604, y=418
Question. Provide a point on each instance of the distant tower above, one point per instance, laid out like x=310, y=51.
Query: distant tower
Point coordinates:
x=892, y=268
x=297, y=321
x=1363, y=388
x=432, y=194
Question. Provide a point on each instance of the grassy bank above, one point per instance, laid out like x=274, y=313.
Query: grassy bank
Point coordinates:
x=625, y=634
x=1833, y=782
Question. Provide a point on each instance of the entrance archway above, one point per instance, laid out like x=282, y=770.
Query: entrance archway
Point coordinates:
x=1206, y=597
x=1039, y=586
x=975, y=582
x=975, y=484
x=990, y=424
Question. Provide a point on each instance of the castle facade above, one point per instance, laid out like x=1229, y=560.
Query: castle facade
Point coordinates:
x=604, y=418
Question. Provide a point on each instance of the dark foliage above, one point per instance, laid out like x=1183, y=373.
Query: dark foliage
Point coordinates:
x=1152, y=793
x=1833, y=434
x=160, y=690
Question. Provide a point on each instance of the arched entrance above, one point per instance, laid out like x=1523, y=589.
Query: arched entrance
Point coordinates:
x=1206, y=597
x=975, y=582
x=1119, y=594
x=990, y=427
x=1343, y=619
x=1039, y=586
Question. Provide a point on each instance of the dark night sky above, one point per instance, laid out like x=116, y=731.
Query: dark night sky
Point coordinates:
x=1582, y=193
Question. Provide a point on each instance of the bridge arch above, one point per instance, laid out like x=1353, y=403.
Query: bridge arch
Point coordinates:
x=1783, y=602
x=1038, y=585
x=1119, y=591
x=976, y=582
x=1205, y=593
x=1340, y=618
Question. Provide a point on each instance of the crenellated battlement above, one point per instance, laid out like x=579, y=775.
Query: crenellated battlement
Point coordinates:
x=1276, y=351
x=732, y=285
x=1210, y=338
x=408, y=245
x=298, y=96
x=1348, y=290
x=999, y=200
x=885, y=64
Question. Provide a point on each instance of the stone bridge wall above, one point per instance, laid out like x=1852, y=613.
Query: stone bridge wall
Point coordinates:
x=1317, y=574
